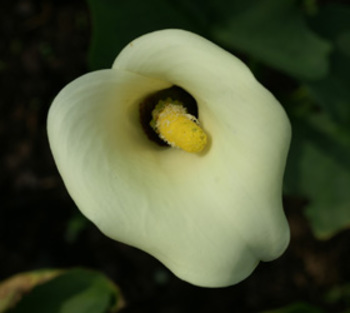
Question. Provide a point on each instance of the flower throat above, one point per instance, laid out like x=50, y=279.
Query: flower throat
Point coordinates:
x=170, y=118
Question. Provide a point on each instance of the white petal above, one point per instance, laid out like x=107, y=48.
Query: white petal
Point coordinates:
x=209, y=218
x=250, y=131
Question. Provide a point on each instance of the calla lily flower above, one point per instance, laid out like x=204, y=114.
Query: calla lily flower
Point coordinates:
x=210, y=216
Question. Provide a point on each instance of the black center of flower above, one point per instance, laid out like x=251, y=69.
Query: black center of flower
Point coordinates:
x=148, y=104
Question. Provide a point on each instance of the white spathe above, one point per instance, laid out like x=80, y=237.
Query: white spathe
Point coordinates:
x=210, y=218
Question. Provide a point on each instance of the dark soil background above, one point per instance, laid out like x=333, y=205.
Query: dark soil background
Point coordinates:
x=44, y=46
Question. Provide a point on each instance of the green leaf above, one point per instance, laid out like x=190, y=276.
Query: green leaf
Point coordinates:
x=75, y=291
x=333, y=92
x=116, y=23
x=75, y=226
x=275, y=33
x=319, y=169
x=299, y=307
x=339, y=294
x=13, y=288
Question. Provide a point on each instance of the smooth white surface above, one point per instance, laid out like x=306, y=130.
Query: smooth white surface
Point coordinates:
x=209, y=218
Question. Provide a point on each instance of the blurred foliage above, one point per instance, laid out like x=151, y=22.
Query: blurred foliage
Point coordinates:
x=318, y=167
x=319, y=163
x=307, y=41
x=299, y=307
x=274, y=32
x=336, y=295
x=332, y=92
x=76, y=225
x=73, y=291
x=339, y=294
x=116, y=23
x=13, y=288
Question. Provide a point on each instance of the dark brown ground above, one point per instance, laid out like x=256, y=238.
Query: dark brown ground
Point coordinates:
x=43, y=46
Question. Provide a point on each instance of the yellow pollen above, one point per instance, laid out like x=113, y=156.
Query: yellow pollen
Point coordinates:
x=178, y=128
